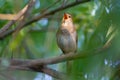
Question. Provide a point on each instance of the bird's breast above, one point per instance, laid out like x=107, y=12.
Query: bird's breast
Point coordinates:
x=66, y=41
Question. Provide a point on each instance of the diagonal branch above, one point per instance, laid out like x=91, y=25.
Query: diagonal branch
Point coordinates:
x=10, y=23
x=62, y=58
x=39, y=65
x=20, y=15
x=36, y=18
x=25, y=16
x=43, y=69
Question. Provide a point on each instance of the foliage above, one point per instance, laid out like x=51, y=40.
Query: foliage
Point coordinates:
x=97, y=24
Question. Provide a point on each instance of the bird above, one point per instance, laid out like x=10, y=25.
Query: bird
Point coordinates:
x=67, y=37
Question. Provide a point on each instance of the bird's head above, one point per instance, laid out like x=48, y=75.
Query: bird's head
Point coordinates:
x=66, y=17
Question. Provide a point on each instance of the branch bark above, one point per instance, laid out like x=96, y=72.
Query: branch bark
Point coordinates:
x=62, y=58
x=18, y=16
x=43, y=69
x=36, y=18
x=39, y=65
x=25, y=16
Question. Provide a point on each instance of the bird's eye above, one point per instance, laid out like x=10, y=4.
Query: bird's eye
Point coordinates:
x=69, y=16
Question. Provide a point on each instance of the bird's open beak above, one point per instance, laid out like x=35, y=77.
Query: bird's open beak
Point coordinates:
x=65, y=16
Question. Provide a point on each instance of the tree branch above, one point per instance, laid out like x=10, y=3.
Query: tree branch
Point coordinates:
x=62, y=58
x=42, y=69
x=25, y=16
x=15, y=18
x=39, y=65
x=36, y=18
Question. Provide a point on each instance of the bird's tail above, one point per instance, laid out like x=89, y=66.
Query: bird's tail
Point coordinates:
x=69, y=65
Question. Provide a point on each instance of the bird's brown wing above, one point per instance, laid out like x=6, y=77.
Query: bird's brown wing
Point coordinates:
x=62, y=33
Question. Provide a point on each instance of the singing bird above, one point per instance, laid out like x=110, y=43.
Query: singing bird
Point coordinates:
x=67, y=35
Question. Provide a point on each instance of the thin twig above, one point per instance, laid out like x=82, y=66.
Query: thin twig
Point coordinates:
x=10, y=23
x=36, y=18
x=25, y=16
x=46, y=9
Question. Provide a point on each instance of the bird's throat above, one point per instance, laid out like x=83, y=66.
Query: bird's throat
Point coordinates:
x=68, y=26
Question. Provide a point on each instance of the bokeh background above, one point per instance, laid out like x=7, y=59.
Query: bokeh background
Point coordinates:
x=97, y=23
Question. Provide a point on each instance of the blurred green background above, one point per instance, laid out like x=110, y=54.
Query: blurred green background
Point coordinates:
x=97, y=23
